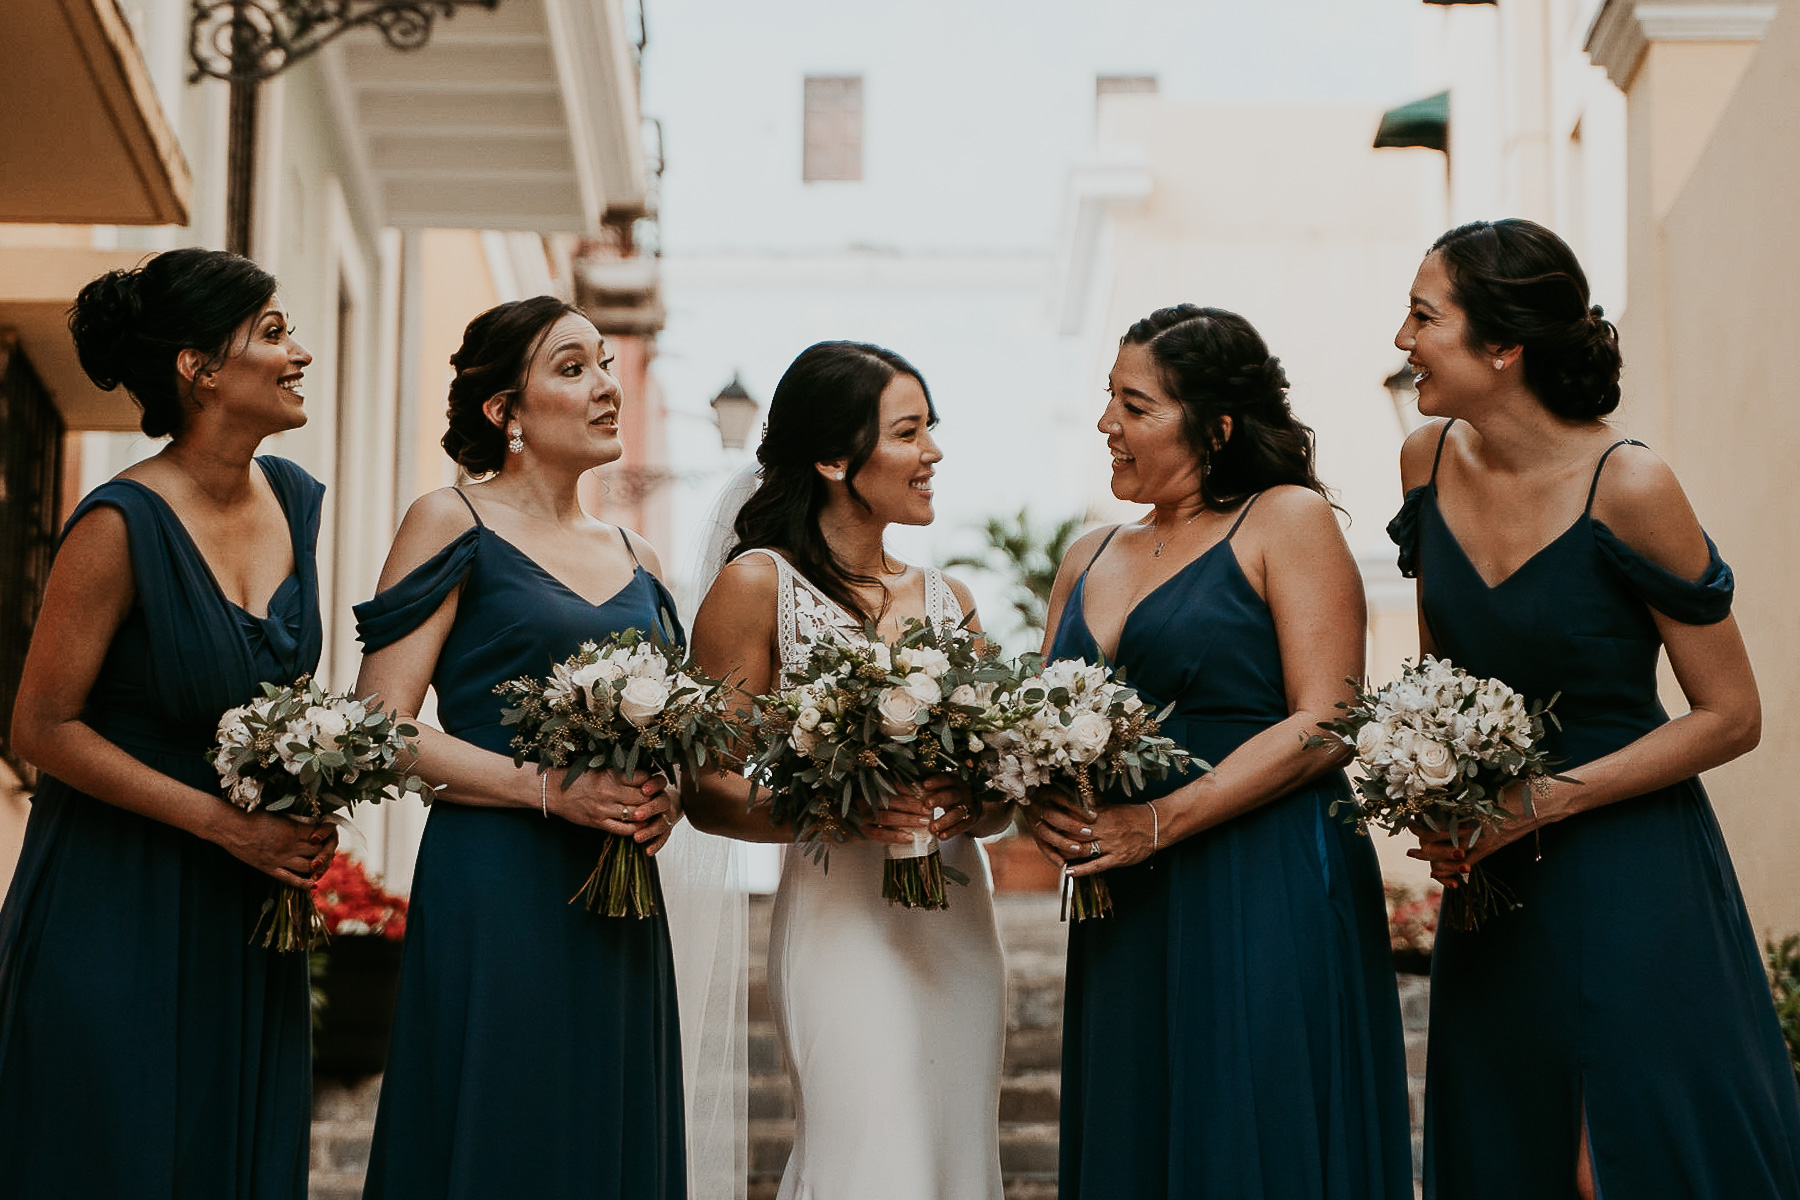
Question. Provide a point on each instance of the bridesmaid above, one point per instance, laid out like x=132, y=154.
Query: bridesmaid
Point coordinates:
x=1613, y=1035
x=147, y=1048
x=1233, y=1029
x=536, y=1050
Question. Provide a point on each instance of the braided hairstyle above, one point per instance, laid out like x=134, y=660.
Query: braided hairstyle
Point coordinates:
x=1215, y=364
x=494, y=359
x=1518, y=284
x=129, y=326
x=826, y=407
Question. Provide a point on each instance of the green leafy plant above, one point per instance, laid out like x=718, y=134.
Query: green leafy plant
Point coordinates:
x=1029, y=556
x=1784, y=985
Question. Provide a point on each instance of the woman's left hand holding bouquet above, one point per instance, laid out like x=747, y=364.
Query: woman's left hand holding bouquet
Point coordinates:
x=1092, y=840
x=640, y=807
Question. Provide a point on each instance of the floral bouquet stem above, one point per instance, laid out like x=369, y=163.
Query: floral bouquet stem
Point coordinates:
x=620, y=884
x=1085, y=896
x=290, y=920
x=913, y=876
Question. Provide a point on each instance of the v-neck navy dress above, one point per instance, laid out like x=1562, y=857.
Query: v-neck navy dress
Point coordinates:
x=147, y=1049
x=1627, y=985
x=1232, y=1031
x=536, y=1050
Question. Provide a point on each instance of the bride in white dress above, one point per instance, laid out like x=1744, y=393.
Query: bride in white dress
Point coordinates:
x=891, y=1019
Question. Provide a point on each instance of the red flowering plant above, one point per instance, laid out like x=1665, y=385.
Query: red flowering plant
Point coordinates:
x=355, y=905
x=1412, y=924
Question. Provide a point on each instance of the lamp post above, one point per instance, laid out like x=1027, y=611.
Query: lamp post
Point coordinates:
x=735, y=412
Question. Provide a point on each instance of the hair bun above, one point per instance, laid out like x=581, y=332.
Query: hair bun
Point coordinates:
x=106, y=314
x=1598, y=313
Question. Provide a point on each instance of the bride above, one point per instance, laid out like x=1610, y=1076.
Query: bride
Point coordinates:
x=891, y=1019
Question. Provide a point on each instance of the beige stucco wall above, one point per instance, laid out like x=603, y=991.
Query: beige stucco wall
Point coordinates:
x=1730, y=306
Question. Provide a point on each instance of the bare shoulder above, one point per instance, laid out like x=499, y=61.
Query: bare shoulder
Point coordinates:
x=964, y=597
x=1082, y=550
x=751, y=580
x=1638, y=497
x=1289, y=509
x=101, y=530
x=432, y=522
x=1419, y=451
x=645, y=552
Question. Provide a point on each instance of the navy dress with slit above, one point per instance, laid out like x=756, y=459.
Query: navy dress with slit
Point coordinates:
x=536, y=1050
x=1627, y=985
x=147, y=1048
x=1232, y=1031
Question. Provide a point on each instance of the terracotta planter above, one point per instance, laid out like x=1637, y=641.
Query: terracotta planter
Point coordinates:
x=360, y=976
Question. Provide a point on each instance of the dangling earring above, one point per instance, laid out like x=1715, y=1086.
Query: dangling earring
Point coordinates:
x=1499, y=364
x=516, y=443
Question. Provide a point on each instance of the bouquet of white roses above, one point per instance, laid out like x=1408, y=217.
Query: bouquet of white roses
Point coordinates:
x=865, y=719
x=1074, y=724
x=1437, y=746
x=309, y=754
x=632, y=702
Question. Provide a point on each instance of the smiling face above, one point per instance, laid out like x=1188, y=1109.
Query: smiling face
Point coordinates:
x=1453, y=379
x=895, y=482
x=259, y=381
x=1145, y=428
x=568, y=408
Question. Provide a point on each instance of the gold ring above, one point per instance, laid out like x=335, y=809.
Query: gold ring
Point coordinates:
x=624, y=812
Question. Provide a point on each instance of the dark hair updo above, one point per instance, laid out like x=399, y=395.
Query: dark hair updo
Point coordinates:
x=826, y=407
x=129, y=325
x=1215, y=364
x=1518, y=284
x=494, y=358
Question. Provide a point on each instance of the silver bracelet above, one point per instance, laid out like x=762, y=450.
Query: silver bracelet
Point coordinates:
x=544, y=793
x=1155, y=827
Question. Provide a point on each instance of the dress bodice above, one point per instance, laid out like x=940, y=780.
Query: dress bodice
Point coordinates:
x=513, y=619
x=184, y=653
x=1574, y=621
x=1204, y=641
x=803, y=613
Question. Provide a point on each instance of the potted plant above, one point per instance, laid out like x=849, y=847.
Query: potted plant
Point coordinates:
x=356, y=976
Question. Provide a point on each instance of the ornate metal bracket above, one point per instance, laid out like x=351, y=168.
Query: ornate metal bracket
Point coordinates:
x=247, y=41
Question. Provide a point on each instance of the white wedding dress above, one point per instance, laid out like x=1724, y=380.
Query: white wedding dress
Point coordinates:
x=892, y=1019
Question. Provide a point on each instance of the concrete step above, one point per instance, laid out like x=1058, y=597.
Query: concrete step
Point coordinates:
x=343, y=1126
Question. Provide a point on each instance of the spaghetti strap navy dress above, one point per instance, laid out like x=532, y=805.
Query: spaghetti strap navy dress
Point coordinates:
x=1232, y=1031
x=1626, y=987
x=536, y=1049
x=147, y=1048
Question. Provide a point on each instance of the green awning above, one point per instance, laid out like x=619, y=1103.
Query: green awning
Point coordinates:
x=1422, y=123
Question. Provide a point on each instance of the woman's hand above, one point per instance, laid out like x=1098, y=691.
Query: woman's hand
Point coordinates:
x=278, y=846
x=961, y=811
x=1451, y=857
x=640, y=807
x=908, y=811
x=1091, y=840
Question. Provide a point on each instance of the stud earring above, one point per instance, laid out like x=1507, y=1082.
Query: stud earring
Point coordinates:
x=1499, y=364
x=516, y=443
x=839, y=477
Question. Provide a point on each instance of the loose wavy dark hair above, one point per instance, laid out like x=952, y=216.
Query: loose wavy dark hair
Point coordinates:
x=1518, y=284
x=494, y=359
x=129, y=326
x=826, y=407
x=1215, y=364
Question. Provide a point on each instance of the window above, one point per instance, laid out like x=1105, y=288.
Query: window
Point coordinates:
x=833, y=129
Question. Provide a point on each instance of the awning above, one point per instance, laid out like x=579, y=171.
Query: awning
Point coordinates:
x=37, y=285
x=1422, y=123
x=83, y=139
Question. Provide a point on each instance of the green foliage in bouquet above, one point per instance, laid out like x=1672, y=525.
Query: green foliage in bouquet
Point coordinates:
x=310, y=754
x=632, y=703
x=860, y=721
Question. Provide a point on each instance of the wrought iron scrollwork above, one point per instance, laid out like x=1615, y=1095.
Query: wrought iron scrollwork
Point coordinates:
x=246, y=41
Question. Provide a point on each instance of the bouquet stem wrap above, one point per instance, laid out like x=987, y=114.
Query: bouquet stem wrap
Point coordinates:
x=913, y=875
x=620, y=884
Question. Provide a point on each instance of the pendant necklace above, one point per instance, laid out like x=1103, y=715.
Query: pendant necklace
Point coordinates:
x=1163, y=541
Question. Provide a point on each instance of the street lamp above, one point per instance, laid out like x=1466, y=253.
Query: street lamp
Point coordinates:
x=1405, y=395
x=735, y=412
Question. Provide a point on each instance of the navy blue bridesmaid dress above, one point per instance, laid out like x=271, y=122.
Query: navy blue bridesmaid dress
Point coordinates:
x=1232, y=1031
x=536, y=1049
x=147, y=1049
x=1627, y=986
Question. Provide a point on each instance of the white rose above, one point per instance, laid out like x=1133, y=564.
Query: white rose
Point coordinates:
x=643, y=699
x=809, y=718
x=899, y=710
x=803, y=740
x=1088, y=735
x=881, y=655
x=328, y=723
x=924, y=659
x=1368, y=741
x=923, y=687
x=1436, y=765
x=965, y=696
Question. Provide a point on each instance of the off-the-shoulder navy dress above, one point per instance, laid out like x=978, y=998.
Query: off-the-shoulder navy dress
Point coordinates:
x=536, y=1049
x=1233, y=1029
x=147, y=1049
x=1627, y=986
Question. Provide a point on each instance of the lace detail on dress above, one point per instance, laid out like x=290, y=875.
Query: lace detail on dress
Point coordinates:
x=803, y=613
